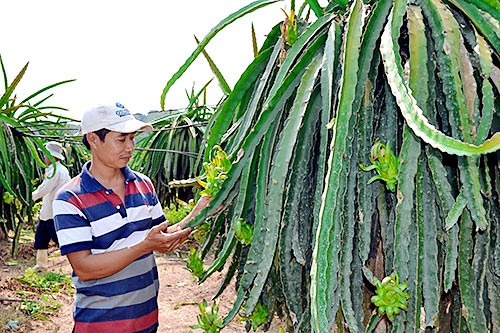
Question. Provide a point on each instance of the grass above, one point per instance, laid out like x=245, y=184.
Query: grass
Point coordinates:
x=47, y=282
x=13, y=319
x=32, y=296
x=42, y=301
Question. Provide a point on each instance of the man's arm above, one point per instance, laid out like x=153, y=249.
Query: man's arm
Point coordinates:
x=45, y=187
x=88, y=266
x=200, y=205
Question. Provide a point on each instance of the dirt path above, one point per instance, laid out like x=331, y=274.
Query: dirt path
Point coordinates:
x=178, y=299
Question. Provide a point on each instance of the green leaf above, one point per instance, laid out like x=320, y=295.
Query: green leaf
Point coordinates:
x=44, y=90
x=243, y=232
x=430, y=270
x=222, y=81
x=222, y=119
x=347, y=260
x=296, y=230
x=273, y=106
x=221, y=25
x=487, y=26
x=414, y=115
x=4, y=100
x=455, y=211
x=277, y=177
x=486, y=63
x=445, y=201
x=324, y=268
x=254, y=105
x=316, y=8
x=466, y=280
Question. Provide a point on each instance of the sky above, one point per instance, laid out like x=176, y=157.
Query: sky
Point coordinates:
x=123, y=50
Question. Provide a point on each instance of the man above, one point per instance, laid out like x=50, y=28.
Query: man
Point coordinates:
x=56, y=175
x=109, y=222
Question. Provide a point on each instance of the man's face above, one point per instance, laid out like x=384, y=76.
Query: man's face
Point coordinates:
x=115, y=151
x=47, y=160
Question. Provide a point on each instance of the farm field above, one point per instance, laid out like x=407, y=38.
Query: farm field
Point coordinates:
x=178, y=299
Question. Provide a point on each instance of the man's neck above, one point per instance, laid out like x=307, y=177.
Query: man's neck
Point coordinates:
x=108, y=177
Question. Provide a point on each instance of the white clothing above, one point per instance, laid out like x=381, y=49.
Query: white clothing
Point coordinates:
x=49, y=187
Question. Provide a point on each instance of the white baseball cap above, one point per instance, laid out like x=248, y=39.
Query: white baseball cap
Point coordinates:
x=114, y=117
x=55, y=149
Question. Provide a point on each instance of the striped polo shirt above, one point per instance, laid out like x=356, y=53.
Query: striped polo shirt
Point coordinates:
x=90, y=217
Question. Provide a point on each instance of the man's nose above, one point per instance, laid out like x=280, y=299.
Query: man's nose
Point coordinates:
x=130, y=145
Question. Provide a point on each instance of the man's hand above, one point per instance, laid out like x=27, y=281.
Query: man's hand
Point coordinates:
x=164, y=238
x=200, y=205
x=161, y=238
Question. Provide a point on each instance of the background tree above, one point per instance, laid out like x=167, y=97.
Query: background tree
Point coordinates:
x=409, y=86
x=171, y=154
x=23, y=126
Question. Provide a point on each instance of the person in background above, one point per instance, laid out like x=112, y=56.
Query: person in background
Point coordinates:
x=109, y=222
x=56, y=175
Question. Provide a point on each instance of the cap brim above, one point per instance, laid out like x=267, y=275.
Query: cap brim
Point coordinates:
x=130, y=126
x=57, y=155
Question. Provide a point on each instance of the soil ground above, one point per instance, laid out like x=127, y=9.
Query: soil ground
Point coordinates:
x=178, y=299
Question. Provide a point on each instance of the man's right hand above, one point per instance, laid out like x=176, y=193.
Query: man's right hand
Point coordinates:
x=164, y=238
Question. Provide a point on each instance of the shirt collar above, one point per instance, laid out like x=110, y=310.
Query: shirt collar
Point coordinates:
x=90, y=184
x=129, y=174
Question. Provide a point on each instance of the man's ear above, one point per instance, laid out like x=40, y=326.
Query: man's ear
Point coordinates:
x=91, y=138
